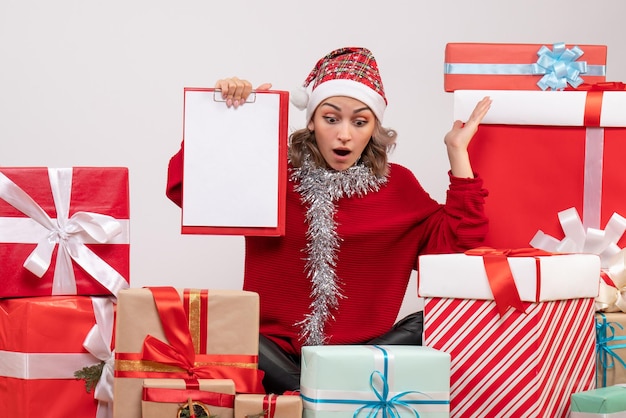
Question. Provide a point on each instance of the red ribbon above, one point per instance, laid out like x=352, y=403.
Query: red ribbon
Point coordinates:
x=223, y=400
x=593, y=101
x=500, y=277
x=269, y=405
x=180, y=352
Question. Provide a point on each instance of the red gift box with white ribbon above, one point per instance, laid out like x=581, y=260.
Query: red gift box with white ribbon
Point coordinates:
x=64, y=231
x=543, y=152
x=40, y=354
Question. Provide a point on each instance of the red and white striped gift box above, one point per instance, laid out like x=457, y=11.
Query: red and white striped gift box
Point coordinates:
x=520, y=364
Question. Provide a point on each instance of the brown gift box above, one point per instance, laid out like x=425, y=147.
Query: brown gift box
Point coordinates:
x=268, y=406
x=222, y=326
x=615, y=373
x=162, y=398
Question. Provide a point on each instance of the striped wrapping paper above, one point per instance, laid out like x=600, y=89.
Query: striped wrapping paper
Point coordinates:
x=520, y=365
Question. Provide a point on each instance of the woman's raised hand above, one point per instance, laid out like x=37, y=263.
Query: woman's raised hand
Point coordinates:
x=235, y=90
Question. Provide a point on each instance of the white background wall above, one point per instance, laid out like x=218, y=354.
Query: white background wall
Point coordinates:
x=100, y=83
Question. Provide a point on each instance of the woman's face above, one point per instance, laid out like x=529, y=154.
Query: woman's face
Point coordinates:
x=343, y=127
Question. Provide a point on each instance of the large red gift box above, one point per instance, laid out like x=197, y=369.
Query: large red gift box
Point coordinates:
x=521, y=361
x=64, y=231
x=500, y=66
x=43, y=342
x=548, y=158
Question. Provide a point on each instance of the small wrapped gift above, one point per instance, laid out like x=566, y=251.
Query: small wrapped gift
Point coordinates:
x=171, y=333
x=268, y=406
x=174, y=398
x=608, y=402
x=611, y=348
x=345, y=380
x=518, y=324
x=56, y=357
x=493, y=66
x=77, y=217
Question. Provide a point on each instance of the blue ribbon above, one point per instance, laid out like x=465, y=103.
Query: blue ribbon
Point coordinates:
x=558, y=67
x=606, y=356
x=388, y=406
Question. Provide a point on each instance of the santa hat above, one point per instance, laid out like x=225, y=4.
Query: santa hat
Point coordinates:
x=350, y=72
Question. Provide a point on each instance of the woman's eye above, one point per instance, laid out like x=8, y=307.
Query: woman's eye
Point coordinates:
x=330, y=119
x=360, y=122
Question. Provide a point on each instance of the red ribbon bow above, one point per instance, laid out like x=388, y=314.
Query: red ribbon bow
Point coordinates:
x=180, y=350
x=500, y=277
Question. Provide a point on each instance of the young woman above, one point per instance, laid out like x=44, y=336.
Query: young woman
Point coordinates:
x=355, y=223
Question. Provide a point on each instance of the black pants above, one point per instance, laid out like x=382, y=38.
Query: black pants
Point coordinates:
x=282, y=370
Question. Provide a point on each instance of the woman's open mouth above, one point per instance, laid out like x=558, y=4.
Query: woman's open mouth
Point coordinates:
x=341, y=152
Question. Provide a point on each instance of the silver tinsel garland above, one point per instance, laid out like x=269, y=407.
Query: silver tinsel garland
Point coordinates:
x=320, y=188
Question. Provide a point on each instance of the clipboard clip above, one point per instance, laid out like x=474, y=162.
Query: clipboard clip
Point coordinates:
x=217, y=96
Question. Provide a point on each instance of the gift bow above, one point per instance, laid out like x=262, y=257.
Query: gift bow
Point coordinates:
x=593, y=241
x=500, y=277
x=605, y=333
x=385, y=405
x=66, y=232
x=559, y=67
x=98, y=343
x=612, y=293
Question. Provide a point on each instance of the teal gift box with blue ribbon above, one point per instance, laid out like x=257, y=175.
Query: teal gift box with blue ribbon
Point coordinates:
x=500, y=66
x=372, y=381
x=608, y=402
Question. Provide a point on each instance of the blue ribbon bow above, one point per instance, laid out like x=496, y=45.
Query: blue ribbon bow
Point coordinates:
x=383, y=404
x=559, y=67
x=605, y=353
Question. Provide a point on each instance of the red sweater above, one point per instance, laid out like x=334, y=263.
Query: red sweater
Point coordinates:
x=382, y=234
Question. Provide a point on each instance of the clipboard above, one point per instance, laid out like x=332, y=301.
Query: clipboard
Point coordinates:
x=234, y=164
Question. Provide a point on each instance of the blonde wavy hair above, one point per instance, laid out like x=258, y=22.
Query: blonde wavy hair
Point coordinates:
x=375, y=155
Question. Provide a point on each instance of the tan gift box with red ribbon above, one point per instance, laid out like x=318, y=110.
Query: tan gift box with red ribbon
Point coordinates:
x=518, y=325
x=166, y=398
x=268, y=406
x=171, y=333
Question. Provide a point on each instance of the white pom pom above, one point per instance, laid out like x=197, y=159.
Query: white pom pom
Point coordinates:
x=300, y=98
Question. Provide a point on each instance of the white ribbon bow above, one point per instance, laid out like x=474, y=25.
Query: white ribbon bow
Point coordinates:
x=98, y=343
x=70, y=233
x=593, y=241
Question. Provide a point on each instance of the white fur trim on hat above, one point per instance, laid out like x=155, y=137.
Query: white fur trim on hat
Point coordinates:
x=300, y=98
x=348, y=88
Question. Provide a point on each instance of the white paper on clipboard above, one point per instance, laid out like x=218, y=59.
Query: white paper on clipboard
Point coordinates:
x=231, y=163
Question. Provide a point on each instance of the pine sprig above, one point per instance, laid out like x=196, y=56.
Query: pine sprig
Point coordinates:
x=198, y=410
x=259, y=415
x=91, y=375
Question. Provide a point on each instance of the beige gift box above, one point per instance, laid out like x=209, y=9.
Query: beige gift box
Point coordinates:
x=163, y=398
x=610, y=370
x=172, y=333
x=268, y=406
